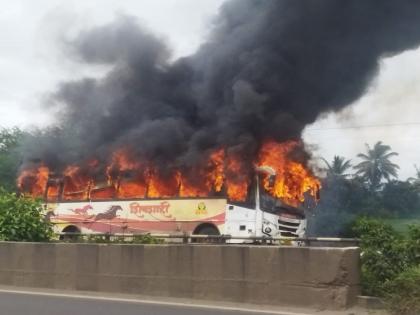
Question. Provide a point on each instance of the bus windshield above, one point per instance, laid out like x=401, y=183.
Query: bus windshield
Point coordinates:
x=268, y=202
x=275, y=205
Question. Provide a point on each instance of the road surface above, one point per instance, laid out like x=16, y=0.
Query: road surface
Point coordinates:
x=15, y=302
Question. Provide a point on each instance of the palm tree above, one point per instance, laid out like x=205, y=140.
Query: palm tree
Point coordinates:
x=415, y=181
x=376, y=165
x=338, y=167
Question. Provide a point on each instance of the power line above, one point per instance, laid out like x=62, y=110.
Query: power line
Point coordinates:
x=366, y=126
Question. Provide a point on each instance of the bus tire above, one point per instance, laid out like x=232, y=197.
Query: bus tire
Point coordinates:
x=206, y=229
x=70, y=229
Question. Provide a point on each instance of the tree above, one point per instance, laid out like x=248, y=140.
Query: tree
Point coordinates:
x=21, y=219
x=415, y=181
x=376, y=165
x=338, y=167
x=400, y=199
x=9, y=157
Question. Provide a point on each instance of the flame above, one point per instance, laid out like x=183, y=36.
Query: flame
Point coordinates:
x=293, y=180
x=76, y=184
x=237, y=178
x=118, y=172
x=162, y=185
x=201, y=182
x=223, y=172
x=217, y=164
x=131, y=190
x=33, y=181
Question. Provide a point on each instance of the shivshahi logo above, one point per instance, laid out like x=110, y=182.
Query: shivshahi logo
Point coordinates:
x=201, y=208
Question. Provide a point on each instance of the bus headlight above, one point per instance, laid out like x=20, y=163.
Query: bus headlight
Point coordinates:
x=267, y=230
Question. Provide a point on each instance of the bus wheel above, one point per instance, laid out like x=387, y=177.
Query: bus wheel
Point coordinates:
x=206, y=229
x=70, y=237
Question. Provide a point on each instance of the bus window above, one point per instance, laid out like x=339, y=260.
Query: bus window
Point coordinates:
x=53, y=190
x=250, y=201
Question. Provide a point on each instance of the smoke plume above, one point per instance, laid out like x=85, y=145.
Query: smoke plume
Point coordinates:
x=268, y=68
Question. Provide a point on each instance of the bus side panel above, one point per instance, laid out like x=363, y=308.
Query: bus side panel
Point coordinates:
x=240, y=221
x=139, y=216
x=180, y=215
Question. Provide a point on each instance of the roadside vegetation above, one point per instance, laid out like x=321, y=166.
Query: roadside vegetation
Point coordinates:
x=21, y=219
x=108, y=239
x=367, y=186
x=390, y=264
x=365, y=199
x=10, y=157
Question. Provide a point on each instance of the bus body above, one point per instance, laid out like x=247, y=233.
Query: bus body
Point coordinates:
x=260, y=216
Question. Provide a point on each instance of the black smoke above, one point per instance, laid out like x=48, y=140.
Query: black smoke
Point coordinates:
x=268, y=68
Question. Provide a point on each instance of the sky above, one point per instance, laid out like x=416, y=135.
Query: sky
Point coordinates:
x=32, y=64
x=388, y=112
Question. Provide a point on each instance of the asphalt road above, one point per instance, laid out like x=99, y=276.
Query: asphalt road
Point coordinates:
x=14, y=303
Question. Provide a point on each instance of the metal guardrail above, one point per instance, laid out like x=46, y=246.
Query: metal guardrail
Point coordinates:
x=221, y=239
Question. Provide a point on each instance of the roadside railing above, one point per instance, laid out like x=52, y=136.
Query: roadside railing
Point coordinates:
x=212, y=239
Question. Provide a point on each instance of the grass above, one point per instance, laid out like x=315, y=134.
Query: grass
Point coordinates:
x=401, y=225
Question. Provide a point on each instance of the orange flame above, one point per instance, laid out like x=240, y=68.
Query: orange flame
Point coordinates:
x=293, y=180
x=76, y=184
x=237, y=178
x=222, y=172
x=121, y=167
x=34, y=181
x=202, y=181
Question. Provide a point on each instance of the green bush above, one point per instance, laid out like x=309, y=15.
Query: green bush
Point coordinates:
x=390, y=265
x=21, y=219
x=136, y=239
x=402, y=294
x=384, y=254
x=413, y=244
x=10, y=156
x=94, y=239
x=146, y=239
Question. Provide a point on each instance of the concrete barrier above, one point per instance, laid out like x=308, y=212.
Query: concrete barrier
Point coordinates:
x=301, y=276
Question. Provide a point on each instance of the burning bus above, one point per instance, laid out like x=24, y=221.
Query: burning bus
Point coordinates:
x=266, y=202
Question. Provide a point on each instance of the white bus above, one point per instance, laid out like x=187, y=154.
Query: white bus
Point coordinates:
x=261, y=215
